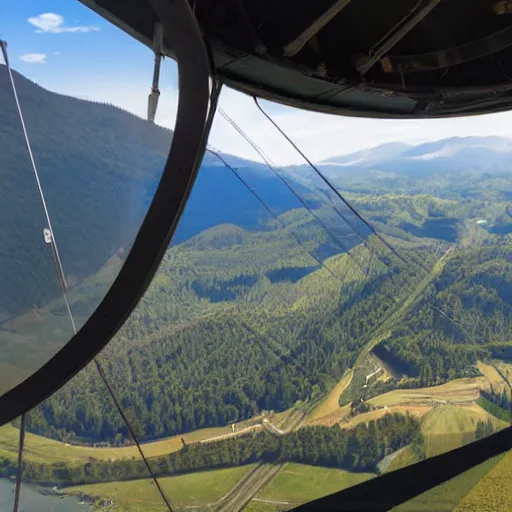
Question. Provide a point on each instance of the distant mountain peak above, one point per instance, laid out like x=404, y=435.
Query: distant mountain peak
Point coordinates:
x=366, y=156
x=462, y=151
x=445, y=147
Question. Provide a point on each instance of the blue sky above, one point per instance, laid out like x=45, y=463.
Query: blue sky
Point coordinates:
x=67, y=48
x=70, y=54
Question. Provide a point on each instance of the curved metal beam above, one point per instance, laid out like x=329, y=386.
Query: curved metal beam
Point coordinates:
x=158, y=226
x=364, y=64
x=449, y=57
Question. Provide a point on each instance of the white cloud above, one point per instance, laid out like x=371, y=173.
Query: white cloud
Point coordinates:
x=54, y=23
x=34, y=58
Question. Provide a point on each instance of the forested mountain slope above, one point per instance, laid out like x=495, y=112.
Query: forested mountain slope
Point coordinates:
x=206, y=348
x=99, y=167
x=465, y=315
x=460, y=168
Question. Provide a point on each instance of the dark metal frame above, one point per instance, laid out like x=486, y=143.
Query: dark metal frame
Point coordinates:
x=156, y=231
x=488, y=45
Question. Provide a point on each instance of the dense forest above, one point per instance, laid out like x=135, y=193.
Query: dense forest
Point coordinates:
x=359, y=449
x=99, y=167
x=276, y=344
x=230, y=343
x=466, y=315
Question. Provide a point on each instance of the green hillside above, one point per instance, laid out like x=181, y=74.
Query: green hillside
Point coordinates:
x=98, y=166
x=297, y=483
x=184, y=491
x=237, y=322
x=228, y=328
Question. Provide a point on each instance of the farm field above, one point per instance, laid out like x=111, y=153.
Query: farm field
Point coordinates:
x=417, y=410
x=330, y=405
x=298, y=483
x=458, y=390
x=191, y=490
x=263, y=506
x=505, y=370
x=405, y=458
x=491, y=373
x=42, y=449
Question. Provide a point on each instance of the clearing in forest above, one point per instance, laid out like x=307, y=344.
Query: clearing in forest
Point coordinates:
x=330, y=404
x=299, y=483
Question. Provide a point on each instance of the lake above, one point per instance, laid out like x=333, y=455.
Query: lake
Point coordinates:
x=33, y=501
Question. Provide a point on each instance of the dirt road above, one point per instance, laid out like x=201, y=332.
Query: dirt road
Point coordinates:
x=249, y=486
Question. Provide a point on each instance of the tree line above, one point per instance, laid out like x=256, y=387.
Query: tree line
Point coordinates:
x=357, y=449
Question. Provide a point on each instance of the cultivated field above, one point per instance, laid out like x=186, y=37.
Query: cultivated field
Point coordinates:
x=493, y=493
x=42, y=449
x=455, y=391
x=264, y=506
x=505, y=369
x=418, y=411
x=447, y=427
x=406, y=457
x=445, y=497
x=490, y=372
x=501, y=374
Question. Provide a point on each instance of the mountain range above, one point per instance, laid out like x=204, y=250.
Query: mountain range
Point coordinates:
x=477, y=152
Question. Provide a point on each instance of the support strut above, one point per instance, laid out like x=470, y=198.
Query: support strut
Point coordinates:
x=364, y=64
x=295, y=46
